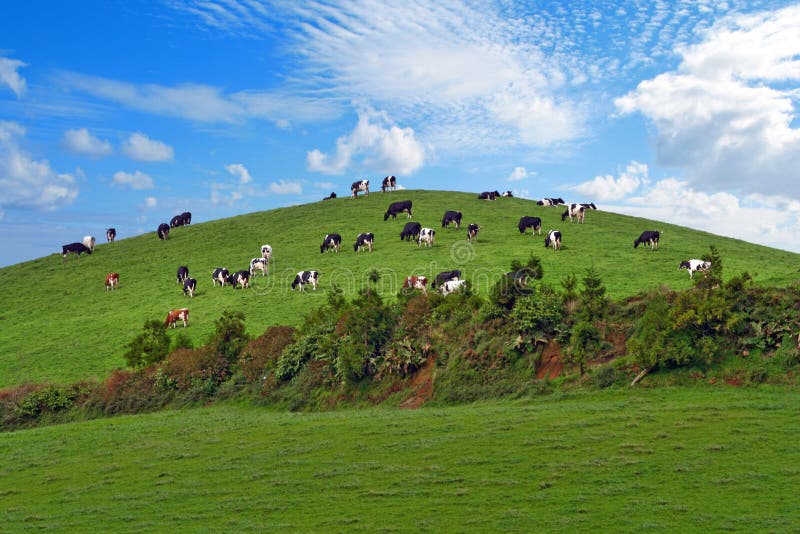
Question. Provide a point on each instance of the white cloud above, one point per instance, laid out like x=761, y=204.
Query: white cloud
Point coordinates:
x=285, y=187
x=519, y=173
x=141, y=148
x=138, y=180
x=383, y=147
x=82, y=142
x=150, y=202
x=223, y=194
x=325, y=185
x=607, y=188
x=240, y=171
x=10, y=77
x=26, y=182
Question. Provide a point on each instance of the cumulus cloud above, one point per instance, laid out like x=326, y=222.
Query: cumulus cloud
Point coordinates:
x=519, y=173
x=381, y=145
x=10, y=77
x=609, y=188
x=27, y=182
x=137, y=180
x=82, y=142
x=726, y=115
x=285, y=187
x=224, y=194
x=141, y=148
x=150, y=202
x=240, y=171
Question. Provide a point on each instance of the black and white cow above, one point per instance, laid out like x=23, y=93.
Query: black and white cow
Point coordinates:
x=488, y=195
x=259, y=264
x=306, y=277
x=472, y=232
x=589, y=205
x=550, y=201
x=534, y=223
x=74, y=248
x=111, y=235
x=446, y=276
x=390, y=182
x=364, y=241
x=332, y=195
x=553, y=239
x=220, y=275
x=241, y=278
x=574, y=211
x=181, y=219
x=186, y=216
x=508, y=194
x=451, y=217
x=398, y=207
x=89, y=241
x=189, y=286
x=411, y=230
x=451, y=286
x=331, y=242
x=163, y=231
x=648, y=238
x=695, y=265
x=266, y=252
x=360, y=186
x=426, y=236
x=183, y=274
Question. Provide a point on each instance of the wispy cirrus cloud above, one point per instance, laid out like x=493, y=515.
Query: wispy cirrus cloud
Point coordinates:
x=80, y=141
x=285, y=187
x=240, y=171
x=141, y=148
x=135, y=180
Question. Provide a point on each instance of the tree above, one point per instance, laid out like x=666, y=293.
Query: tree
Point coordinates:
x=516, y=283
x=584, y=342
x=592, y=298
x=229, y=337
x=149, y=347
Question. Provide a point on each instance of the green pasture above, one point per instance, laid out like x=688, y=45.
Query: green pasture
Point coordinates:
x=57, y=322
x=677, y=460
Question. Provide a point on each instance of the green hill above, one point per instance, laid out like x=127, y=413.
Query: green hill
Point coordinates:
x=57, y=322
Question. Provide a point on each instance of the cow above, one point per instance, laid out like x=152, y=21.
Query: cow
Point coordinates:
x=361, y=185
x=390, y=182
x=306, y=277
x=695, y=265
x=508, y=194
x=472, y=232
x=182, y=219
x=446, y=276
x=364, y=241
x=451, y=286
x=398, y=207
x=112, y=281
x=259, y=264
x=331, y=242
x=220, y=275
x=187, y=217
x=550, y=201
x=174, y=316
x=648, y=237
x=411, y=229
x=183, y=274
x=89, y=241
x=488, y=195
x=576, y=211
x=589, y=205
x=189, y=286
x=111, y=234
x=534, y=223
x=451, y=217
x=332, y=195
x=74, y=248
x=163, y=231
x=416, y=282
x=553, y=239
x=266, y=252
x=426, y=236
x=241, y=278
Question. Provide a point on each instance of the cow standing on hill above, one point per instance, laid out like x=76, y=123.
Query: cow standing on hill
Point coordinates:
x=398, y=207
x=446, y=276
x=112, y=281
x=359, y=186
x=488, y=195
x=695, y=265
x=189, y=286
x=220, y=275
x=111, y=235
x=364, y=241
x=390, y=182
x=163, y=231
x=74, y=248
x=306, y=277
x=553, y=239
x=534, y=223
x=174, y=316
x=576, y=211
x=259, y=264
x=648, y=238
x=89, y=242
x=411, y=230
x=426, y=236
x=472, y=232
x=183, y=274
x=451, y=217
x=331, y=242
x=416, y=282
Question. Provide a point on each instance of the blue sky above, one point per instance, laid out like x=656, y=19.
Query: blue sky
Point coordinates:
x=126, y=113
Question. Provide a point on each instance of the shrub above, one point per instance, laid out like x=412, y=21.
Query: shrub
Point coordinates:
x=261, y=354
x=538, y=315
x=229, y=337
x=186, y=367
x=605, y=376
x=149, y=347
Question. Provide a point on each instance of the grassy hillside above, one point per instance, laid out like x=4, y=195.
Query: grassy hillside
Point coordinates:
x=699, y=459
x=57, y=322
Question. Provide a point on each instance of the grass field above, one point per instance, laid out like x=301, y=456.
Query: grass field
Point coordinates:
x=682, y=459
x=57, y=322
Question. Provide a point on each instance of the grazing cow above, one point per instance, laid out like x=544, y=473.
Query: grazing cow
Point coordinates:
x=241, y=278
x=446, y=276
x=266, y=252
x=174, y=316
x=411, y=229
x=553, y=239
x=74, y=248
x=390, y=182
x=163, y=231
x=331, y=242
x=332, y=195
x=361, y=185
x=534, y=223
x=550, y=201
x=183, y=274
x=111, y=235
x=364, y=241
x=472, y=232
x=182, y=219
x=451, y=217
x=695, y=265
x=398, y=207
x=589, y=205
x=416, y=282
x=577, y=211
x=426, y=236
x=306, y=277
x=189, y=285
x=451, y=286
x=187, y=217
x=259, y=264
x=508, y=194
x=112, y=281
x=89, y=241
x=648, y=237
x=220, y=275
x=489, y=195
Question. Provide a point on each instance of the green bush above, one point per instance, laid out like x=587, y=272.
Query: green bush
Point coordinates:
x=229, y=337
x=605, y=376
x=149, y=347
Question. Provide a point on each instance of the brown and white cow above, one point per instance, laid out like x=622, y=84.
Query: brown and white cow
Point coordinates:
x=174, y=316
x=112, y=281
x=416, y=282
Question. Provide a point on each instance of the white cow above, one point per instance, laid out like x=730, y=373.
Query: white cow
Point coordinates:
x=694, y=265
x=451, y=286
x=89, y=241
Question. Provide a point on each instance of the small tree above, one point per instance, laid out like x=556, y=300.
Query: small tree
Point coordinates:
x=517, y=283
x=149, y=347
x=570, y=296
x=593, y=300
x=584, y=342
x=711, y=279
x=229, y=337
